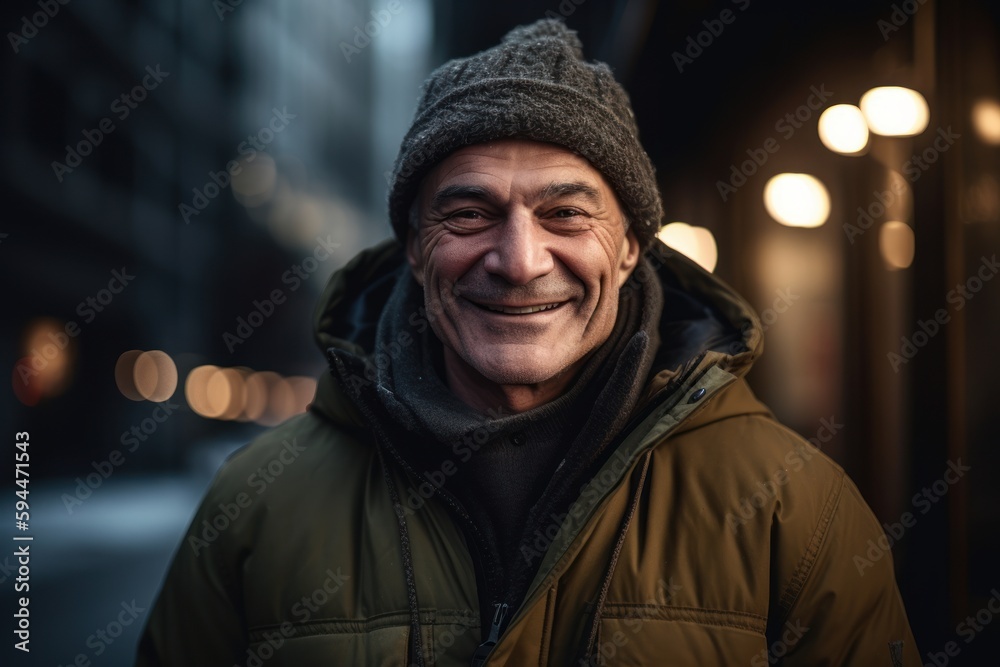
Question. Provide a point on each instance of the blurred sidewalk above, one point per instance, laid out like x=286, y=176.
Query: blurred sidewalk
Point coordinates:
x=96, y=572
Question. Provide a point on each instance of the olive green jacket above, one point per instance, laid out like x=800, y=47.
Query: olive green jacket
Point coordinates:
x=712, y=536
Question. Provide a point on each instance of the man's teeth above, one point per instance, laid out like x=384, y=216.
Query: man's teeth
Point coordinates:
x=522, y=311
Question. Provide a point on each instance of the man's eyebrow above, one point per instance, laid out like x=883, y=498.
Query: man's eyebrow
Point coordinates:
x=567, y=189
x=445, y=195
x=588, y=192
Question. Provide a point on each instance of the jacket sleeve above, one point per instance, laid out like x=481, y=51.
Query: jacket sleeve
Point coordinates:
x=844, y=607
x=197, y=618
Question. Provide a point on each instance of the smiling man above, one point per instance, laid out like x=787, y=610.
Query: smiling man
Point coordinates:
x=522, y=247
x=535, y=443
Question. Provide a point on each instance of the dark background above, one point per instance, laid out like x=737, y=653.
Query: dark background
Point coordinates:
x=323, y=177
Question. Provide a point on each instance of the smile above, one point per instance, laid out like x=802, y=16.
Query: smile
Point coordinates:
x=519, y=310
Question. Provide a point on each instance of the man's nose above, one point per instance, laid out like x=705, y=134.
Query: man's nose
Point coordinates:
x=519, y=254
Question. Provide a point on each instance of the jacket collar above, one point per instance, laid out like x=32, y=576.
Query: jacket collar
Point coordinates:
x=705, y=324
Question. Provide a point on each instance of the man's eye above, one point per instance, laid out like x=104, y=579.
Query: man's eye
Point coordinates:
x=466, y=220
x=567, y=213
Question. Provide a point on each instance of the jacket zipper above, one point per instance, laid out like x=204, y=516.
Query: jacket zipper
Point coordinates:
x=500, y=614
x=669, y=391
x=483, y=650
x=480, y=551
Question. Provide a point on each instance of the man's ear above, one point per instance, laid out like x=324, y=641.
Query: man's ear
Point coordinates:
x=414, y=255
x=628, y=257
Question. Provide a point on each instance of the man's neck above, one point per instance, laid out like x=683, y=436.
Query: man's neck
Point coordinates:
x=483, y=395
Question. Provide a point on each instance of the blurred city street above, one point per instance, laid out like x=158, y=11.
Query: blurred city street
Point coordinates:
x=182, y=179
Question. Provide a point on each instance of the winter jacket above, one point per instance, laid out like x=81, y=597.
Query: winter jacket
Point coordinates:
x=712, y=535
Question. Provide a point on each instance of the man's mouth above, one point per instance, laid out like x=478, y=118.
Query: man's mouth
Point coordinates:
x=518, y=310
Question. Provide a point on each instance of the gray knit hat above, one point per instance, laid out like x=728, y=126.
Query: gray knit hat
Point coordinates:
x=535, y=85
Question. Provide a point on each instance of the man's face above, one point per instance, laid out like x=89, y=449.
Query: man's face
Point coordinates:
x=521, y=250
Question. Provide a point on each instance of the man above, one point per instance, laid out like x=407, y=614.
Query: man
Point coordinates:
x=535, y=439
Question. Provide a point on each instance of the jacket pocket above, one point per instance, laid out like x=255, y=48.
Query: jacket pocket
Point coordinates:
x=449, y=637
x=328, y=644
x=679, y=636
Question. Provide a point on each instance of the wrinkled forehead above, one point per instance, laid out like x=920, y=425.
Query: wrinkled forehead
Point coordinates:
x=537, y=169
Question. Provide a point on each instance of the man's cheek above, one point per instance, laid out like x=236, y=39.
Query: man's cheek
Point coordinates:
x=605, y=312
x=435, y=307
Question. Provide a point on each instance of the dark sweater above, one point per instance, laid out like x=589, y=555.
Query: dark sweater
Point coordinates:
x=515, y=473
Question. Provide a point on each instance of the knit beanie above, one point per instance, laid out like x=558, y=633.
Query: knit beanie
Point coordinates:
x=536, y=85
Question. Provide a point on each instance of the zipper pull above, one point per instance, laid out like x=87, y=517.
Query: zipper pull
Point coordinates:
x=483, y=651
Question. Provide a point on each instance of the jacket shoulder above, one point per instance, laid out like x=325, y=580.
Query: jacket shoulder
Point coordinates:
x=299, y=449
x=782, y=531
x=747, y=450
x=279, y=519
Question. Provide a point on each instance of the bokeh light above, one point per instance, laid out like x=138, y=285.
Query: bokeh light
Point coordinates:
x=895, y=111
x=986, y=120
x=797, y=200
x=242, y=394
x=228, y=382
x=45, y=368
x=896, y=243
x=196, y=391
x=258, y=388
x=698, y=243
x=842, y=129
x=280, y=404
x=255, y=183
x=155, y=376
x=125, y=375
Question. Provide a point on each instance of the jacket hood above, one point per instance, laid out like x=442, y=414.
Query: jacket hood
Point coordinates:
x=704, y=323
